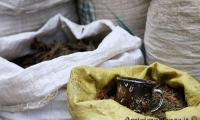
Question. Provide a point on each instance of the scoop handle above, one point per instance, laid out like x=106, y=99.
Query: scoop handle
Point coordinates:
x=161, y=99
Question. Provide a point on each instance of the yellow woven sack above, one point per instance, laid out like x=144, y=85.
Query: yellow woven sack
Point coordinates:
x=84, y=81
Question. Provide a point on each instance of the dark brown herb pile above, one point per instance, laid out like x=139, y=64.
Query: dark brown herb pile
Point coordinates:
x=49, y=51
x=174, y=99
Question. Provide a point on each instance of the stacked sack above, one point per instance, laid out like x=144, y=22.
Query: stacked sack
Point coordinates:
x=128, y=14
x=172, y=35
x=17, y=16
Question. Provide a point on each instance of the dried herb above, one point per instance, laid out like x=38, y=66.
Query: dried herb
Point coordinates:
x=102, y=93
x=108, y=92
x=49, y=51
x=174, y=99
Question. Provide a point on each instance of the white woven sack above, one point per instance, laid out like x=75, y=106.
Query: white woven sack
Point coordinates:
x=55, y=110
x=35, y=86
x=172, y=34
x=17, y=16
x=128, y=14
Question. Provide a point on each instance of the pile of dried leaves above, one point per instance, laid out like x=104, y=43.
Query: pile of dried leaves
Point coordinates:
x=49, y=51
x=174, y=99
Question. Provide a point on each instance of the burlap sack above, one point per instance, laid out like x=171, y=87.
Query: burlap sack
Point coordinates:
x=55, y=110
x=128, y=14
x=172, y=35
x=84, y=82
x=18, y=16
x=34, y=87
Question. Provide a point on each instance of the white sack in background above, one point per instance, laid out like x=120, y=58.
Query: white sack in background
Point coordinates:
x=172, y=35
x=17, y=16
x=35, y=86
x=128, y=14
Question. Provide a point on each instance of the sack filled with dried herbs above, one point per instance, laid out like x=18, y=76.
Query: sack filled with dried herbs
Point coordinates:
x=50, y=51
x=90, y=97
x=35, y=82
